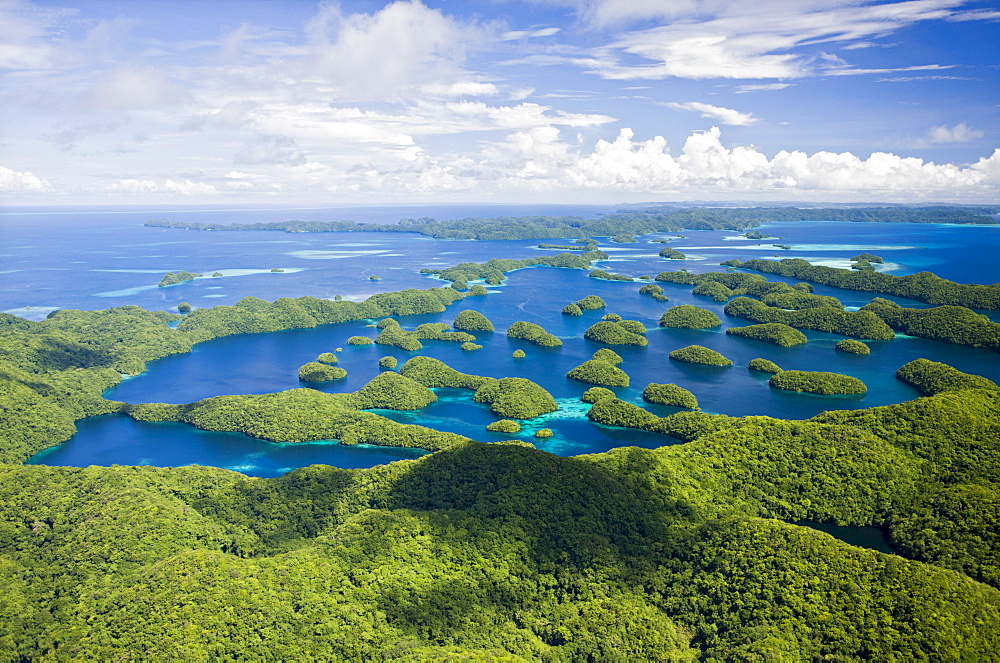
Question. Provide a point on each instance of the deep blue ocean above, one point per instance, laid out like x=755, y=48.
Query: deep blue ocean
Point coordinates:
x=87, y=258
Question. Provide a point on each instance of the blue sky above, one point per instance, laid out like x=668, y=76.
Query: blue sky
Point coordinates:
x=604, y=101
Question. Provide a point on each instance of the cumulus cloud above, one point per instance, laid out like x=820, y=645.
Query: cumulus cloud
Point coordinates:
x=13, y=181
x=404, y=44
x=189, y=188
x=960, y=133
x=723, y=115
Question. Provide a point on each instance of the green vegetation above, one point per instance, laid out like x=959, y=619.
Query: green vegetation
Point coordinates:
x=173, y=278
x=615, y=333
x=784, y=247
x=595, y=394
x=763, y=365
x=216, y=274
x=472, y=321
x=544, y=432
x=607, y=276
x=868, y=257
x=564, y=247
x=532, y=333
x=775, y=333
x=276, y=270
x=397, y=337
x=469, y=346
x=817, y=382
x=863, y=265
x=697, y=354
x=689, y=317
x=327, y=358
x=651, y=289
x=931, y=378
x=590, y=303
x=922, y=286
x=504, y=426
x=672, y=254
x=388, y=362
x=374, y=277
x=306, y=415
x=359, y=340
x=477, y=291
x=314, y=371
x=572, y=309
x=756, y=234
x=613, y=317
x=392, y=391
x=859, y=324
x=950, y=324
x=518, y=354
x=515, y=398
x=434, y=373
x=850, y=346
x=492, y=271
x=183, y=307
x=713, y=289
x=669, y=394
x=623, y=239
x=595, y=371
x=608, y=355
x=502, y=551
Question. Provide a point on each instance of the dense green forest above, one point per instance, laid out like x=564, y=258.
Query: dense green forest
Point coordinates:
x=496, y=551
x=625, y=224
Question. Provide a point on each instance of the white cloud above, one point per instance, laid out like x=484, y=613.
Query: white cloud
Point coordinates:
x=131, y=185
x=960, y=133
x=723, y=115
x=511, y=35
x=763, y=87
x=189, y=188
x=467, y=89
x=405, y=44
x=21, y=182
x=733, y=39
x=135, y=88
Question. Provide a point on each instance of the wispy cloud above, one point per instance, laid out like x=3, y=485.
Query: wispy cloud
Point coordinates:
x=763, y=87
x=960, y=133
x=768, y=39
x=723, y=115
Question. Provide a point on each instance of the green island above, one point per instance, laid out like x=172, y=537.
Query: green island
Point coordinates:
x=607, y=276
x=868, y=257
x=389, y=362
x=184, y=307
x=572, y=309
x=515, y=398
x=327, y=358
x=591, y=303
x=504, y=426
x=774, y=333
x=669, y=394
x=851, y=346
x=599, y=372
x=608, y=355
x=686, y=316
x=817, y=382
x=518, y=354
x=492, y=271
x=617, y=333
x=763, y=365
x=672, y=254
x=922, y=286
x=173, y=278
x=532, y=333
x=950, y=324
x=544, y=433
x=315, y=371
x=623, y=239
x=699, y=354
x=862, y=324
x=470, y=320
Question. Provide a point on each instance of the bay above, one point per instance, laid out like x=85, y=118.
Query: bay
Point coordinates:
x=97, y=259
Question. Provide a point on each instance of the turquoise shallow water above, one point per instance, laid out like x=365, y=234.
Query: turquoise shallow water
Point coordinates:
x=93, y=260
